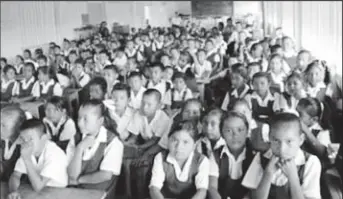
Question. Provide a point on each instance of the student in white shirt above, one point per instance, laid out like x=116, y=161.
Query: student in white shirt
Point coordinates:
x=136, y=89
x=111, y=74
x=202, y=67
x=180, y=172
x=8, y=84
x=46, y=86
x=156, y=81
x=96, y=156
x=277, y=73
x=42, y=160
x=79, y=76
x=285, y=171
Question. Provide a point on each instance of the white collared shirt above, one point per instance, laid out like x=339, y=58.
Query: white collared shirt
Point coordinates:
x=323, y=136
x=184, y=69
x=226, y=100
x=200, y=69
x=84, y=79
x=260, y=101
x=313, y=91
x=161, y=86
x=280, y=103
x=25, y=84
x=311, y=179
x=235, y=166
x=178, y=96
x=279, y=79
x=52, y=163
x=120, y=61
x=58, y=91
x=5, y=84
x=136, y=100
x=68, y=131
x=220, y=142
x=18, y=68
x=216, y=57
x=158, y=174
x=123, y=121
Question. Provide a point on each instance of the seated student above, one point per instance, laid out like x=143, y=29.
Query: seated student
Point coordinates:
x=253, y=68
x=261, y=101
x=42, y=60
x=122, y=113
x=231, y=160
x=71, y=58
x=41, y=160
x=168, y=73
x=315, y=125
x=202, y=68
x=60, y=127
x=288, y=100
x=156, y=80
x=212, y=55
x=46, y=86
x=80, y=78
x=180, y=172
x=277, y=73
x=102, y=60
x=19, y=63
x=136, y=89
x=277, y=49
x=131, y=51
x=285, y=171
x=176, y=96
x=120, y=59
x=8, y=84
x=165, y=60
x=239, y=88
x=174, y=56
x=96, y=157
x=258, y=131
x=304, y=58
x=289, y=51
x=111, y=74
x=184, y=62
x=11, y=119
x=211, y=139
x=24, y=89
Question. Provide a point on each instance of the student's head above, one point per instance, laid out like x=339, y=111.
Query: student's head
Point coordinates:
x=191, y=43
x=316, y=72
x=287, y=43
x=42, y=60
x=191, y=109
x=310, y=111
x=261, y=83
x=275, y=63
x=256, y=50
x=9, y=72
x=211, y=124
x=38, y=52
x=79, y=67
x=156, y=72
x=168, y=73
x=120, y=96
x=239, y=75
x=165, y=60
x=242, y=106
x=72, y=56
x=201, y=55
x=303, y=59
x=182, y=138
x=151, y=102
x=253, y=68
x=27, y=54
x=55, y=108
x=285, y=135
x=57, y=50
x=294, y=83
x=97, y=88
x=19, y=59
x=276, y=49
x=234, y=129
x=179, y=81
x=91, y=117
x=242, y=37
x=209, y=45
x=44, y=73
x=32, y=132
x=28, y=70
x=110, y=73
x=185, y=58
x=135, y=81
x=174, y=53
x=3, y=62
x=11, y=119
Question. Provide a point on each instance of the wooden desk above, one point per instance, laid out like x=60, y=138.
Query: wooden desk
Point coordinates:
x=27, y=192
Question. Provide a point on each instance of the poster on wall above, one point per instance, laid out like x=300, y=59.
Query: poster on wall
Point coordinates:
x=203, y=9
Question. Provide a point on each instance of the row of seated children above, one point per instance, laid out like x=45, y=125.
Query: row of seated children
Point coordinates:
x=208, y=156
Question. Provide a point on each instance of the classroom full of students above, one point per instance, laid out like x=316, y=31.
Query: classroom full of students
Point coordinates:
x=172, y=112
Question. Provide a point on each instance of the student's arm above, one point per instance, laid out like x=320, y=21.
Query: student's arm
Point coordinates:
x=14, y=181
x=213, y=188
x=131, y=140
x=290, y=169
x=157, y=178
x=200, y=194
x=202, y=179
x=95, y=177
x=155, y=193
x=37, y=181
x=149, y=143
x=318, y=147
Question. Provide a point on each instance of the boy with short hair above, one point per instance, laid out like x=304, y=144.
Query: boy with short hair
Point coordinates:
x=41, y=160
x=79, y=76
x=156, y=81
x=136, y=89
x=284, y=171
x=96, y=156
x=111, y=74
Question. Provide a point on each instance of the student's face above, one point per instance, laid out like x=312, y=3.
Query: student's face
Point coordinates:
x=201, y=56
x=252, y=70
x=303, y=60
x=7, y=125
x=276, y=65
x=235, y=133
x=191, y=44
x=120, y=99
x=130, y=45
x=57, y=51
x=3, y=64
x=314, y=76
x=183, y=60
x=72, y=58
x=257, y=53
x=41, y=62
x=31, y=136
x=26, y=55
x=243, y=109
x=156, y=74
x=10, y=74
x=179, y=84
x=294, y=85
x=191, y=111
x=135, y=83
x=174, y=53
x=208, y=46
x=305, y=117
x=168, y=73
x=95, y=92
x=18, y=60
x=149, y=105
x=89, y=120
x=285, y=140
x=53, y=113
x=211, y=127
x=287, y=44
x=110, y=76
x=165, y=60
x=236, y=80
x=261, y=85
x=180, y=145
x=103, y=58
x=42, y=77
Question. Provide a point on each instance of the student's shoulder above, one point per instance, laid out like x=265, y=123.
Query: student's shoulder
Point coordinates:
x=52, y=150
x=312, y=162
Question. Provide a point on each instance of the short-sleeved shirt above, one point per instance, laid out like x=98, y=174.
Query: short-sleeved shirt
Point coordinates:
x=68, y=131
x=158, y=126
x=84, y=79
x=161, y=87
x=311, y=177
x=323, y=136
x=200, y=69
x=136, y=100
x=52, y=163
x=5, y=85
x=183, y=95
x=182, y=174
x=57, y=89
x=123, y=121
x=25, y=85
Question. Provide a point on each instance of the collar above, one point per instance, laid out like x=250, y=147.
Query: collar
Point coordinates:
x=170, y=159
x=219, y=143
x=183, y=70
x=59, y=124
x=265, y=101
x=50, y=82
x=315, y=126
x=226, y=151
x=102, y=135
x=245, y=90
x=31, y=80
x=5, y=84
x=279, y=77
x=299, y=158
x=140, y=91
x=182, y=91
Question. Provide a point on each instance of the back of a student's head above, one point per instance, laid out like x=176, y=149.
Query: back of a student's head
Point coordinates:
x=97, y=88
x=11, y=119
x=32, y=130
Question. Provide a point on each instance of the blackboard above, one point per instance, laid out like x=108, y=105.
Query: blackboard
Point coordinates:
x=212, y=8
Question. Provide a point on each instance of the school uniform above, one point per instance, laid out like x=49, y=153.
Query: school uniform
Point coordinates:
x=262, y=110
x=84, y=79
x=175, y=99
x=183, y=69
x=290, y=58
x=259, y=136
x=52, y=163
x=232, y=96
x=19, y=69
x=323, y=136
x=120, y=61
x=122, y=121
x=230, y=171
x=203, y=146
x=319, y=91
x=200, y=69
x=10, y=152
x=176, y=182
x=277, y=84
x=148, y=50
x=8, y=89
x=309, y=171
x=35, y=64
x=106, y=155
x=161, y=86
x=45, y=90
x=25, y=87
x=287, y=103
x=61, y=133
x=213, y=57
x=136, y=99
x=110, y=88
x=157, y=46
